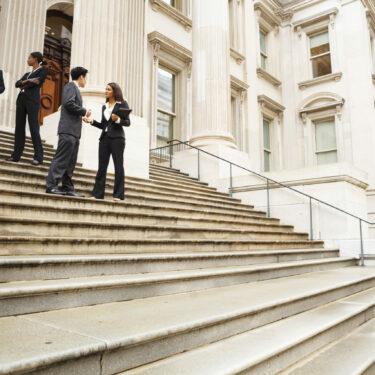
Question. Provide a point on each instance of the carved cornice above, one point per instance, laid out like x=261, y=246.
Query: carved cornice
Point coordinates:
x=305, y=22
x=162, y=6
x=268, y=77
x=270, y=104
x=267, y=14
x=161, y=42
x=237, y=56
x=317, y=81
x=237, y=84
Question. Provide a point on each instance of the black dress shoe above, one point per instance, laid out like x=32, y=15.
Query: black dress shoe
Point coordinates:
x=12, y=160
x=36, y=162
x=55, y=191
x=72, y=193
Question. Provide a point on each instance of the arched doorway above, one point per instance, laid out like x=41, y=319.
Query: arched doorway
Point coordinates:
x=57, y=51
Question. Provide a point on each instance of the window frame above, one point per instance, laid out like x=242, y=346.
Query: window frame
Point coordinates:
x=311, y=58
x=325, y=151
x=263, y=54
x=269, y=121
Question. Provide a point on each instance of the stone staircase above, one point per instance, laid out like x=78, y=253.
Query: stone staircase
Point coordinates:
x=178, y=279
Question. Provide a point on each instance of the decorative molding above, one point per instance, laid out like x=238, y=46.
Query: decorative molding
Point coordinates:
x=270, y=104
x=317, y=81
x=267, y=14
x=161, y=42
x=237, y=84
x=285, y=16
x=328, y=15
x=268, y=77
x=237, y=56
x=160, y=5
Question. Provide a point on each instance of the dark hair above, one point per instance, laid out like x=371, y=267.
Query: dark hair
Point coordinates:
x=77, y=72
x=39, y=57
x=117, y=92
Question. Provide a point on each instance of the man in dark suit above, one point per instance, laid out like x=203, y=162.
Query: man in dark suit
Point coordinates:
x=2, y=86
x=27, y=106
x=69, y=131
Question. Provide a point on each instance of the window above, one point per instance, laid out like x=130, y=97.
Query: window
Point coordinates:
x=263, y=49
x=234, y=118
x=172, y=3
x=266, y=145
x=320, y=54
x=325, y=142
x=165, y=106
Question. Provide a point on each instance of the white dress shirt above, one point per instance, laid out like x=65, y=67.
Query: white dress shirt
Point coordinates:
x=108, y=112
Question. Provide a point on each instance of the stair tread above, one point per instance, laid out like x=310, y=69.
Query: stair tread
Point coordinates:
x=71, y=333
x=15, y=288
x=335, y=360
x=243, y=351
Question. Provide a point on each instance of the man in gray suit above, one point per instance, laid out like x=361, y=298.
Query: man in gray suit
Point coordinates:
x=69, y=131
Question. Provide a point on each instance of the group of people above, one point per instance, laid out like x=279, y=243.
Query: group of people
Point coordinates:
x=115, y=116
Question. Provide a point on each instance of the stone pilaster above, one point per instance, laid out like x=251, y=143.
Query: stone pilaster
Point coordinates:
x=108, y=41
x=211, y=74
x=22, y=25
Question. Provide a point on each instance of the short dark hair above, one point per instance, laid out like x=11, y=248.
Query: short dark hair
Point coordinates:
x=39, y=57
x=77, y=72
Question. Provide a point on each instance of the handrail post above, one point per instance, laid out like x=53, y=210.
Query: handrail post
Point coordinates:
x=268, y=199
x=199, y=166
x=230, y=180
x=170, y=155
x=311, y=221
x=362, y=256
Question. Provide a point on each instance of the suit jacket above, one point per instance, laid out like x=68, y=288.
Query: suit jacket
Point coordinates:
x=71, y=111
x=113, y=129
x=32, y=89
x=2, y=86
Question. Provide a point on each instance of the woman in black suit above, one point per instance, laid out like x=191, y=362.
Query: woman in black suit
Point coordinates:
x=111, y=141
x=27, y=105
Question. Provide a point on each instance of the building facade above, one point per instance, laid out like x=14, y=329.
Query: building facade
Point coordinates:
x=284, y=88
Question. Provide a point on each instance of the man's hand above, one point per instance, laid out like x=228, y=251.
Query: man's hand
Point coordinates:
x=115, y=117
x=87, y=120
x=88, y=113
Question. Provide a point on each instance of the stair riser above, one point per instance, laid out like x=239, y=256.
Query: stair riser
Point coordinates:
x=9, y=139
x=126, y=219
x=115, y=360
x=61, y=299
x=38, y=185
x=39, y=178
x=109, y=208
x=62, y=270
x=77, y=230
x=287, y=358
x=59, y=247
x=8, y=146
x=28, y=151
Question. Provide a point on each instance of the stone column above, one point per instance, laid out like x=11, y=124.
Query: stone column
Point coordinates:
x=108, y=41
x=211, y=74
x=22, y=27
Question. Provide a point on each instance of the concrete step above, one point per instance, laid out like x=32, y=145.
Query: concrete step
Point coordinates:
x=352, y=355
x=9, y=137
x=28, y=151
x=39, y=176
x=86, y=229
x=29, y=245
x=17, y=268
x=158, y=167
x=9, y=142
x=8, y=147
x=135, y=195
x=115, y=337
x=156, y=207
x=49, y=212
x=23, y=297
x=267, y=350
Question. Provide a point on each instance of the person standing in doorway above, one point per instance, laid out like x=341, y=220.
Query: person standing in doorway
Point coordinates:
x=69, y=132
x=27, y=106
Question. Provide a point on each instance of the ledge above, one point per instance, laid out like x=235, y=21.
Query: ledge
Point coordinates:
x=270, y=104
x=317, y=81
x=160, y=5
x=239, y=57
x=315, y=18
x=238, y=84
x=267, y=14
x=268, y=77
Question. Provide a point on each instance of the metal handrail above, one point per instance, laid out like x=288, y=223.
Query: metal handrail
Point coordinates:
x=172, y=143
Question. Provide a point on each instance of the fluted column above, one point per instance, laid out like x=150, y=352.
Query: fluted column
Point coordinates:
x=22, y=25
x=211, y=73
x=108, y=41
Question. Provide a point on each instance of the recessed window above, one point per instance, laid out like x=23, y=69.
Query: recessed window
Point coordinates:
x=320, y=54
x=325, y=142
x=266, y=145
x=263, y=49
x=165, y=106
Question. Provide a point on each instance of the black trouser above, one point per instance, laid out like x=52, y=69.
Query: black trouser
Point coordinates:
x=63, y=163
x=107, y=147
x=25, y=107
